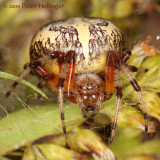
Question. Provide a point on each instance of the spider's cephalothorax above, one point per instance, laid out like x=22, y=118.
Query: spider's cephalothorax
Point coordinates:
x=88, y=91
x=81, y=59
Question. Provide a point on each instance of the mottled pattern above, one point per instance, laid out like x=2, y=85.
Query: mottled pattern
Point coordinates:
x=90, y=38
x=38, y=50
x=118, y=40
x=99, y=39
x=67, y=39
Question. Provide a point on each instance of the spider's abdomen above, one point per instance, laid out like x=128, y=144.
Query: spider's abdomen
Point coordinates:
x=90, y=38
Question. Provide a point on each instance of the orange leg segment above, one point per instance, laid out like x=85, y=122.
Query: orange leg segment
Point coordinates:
x=110, y=76
x=69, y=71
x=68, y=84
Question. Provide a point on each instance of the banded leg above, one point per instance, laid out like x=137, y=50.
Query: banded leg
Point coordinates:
x=118, y=102
x=112, y=74
x=60, y=99
x=24, y=73
x=28, y=68
x=138, y=89
x=39, y=68
x=125, y=56
x=60, y=94
x=65, y=82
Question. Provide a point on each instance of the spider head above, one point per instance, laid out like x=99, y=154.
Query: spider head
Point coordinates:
x=89, y=90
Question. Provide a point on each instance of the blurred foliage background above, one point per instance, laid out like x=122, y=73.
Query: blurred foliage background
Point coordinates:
x=137, y=19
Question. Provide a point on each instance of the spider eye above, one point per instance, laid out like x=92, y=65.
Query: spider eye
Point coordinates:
x=97, y=86
x=80, y=87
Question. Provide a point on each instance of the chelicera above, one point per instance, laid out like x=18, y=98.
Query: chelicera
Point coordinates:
x=81, y=59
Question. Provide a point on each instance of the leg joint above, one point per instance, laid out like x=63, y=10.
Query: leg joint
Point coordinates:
x=135, y=85
x=114, y=126
x=119, y=92
x=61, y=83
x=125, y=56
x=62, y=116
x=145, y=116
x=14, y=84
x=35, y=64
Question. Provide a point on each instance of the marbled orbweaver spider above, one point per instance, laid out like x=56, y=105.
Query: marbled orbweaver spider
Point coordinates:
x=81, y=59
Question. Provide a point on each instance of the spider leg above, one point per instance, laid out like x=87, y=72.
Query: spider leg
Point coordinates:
x=138, y=89
x=65, y=82
x=135, y=69
x=60, y=99
x=68, y=84
x=118, y=102
x=41, y=83
x=46, y=76
x=113, y=73
x=39, y=68
x=124, y=57
x=24, y=73
x=28, y=68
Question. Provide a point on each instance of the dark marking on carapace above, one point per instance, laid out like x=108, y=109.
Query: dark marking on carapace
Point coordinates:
x=104, y=23
x=38, y=51
x=98, y=40
x=67, y=38
x=117, y=40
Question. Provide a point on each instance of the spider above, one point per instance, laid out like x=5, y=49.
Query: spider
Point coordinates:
x=81, y=59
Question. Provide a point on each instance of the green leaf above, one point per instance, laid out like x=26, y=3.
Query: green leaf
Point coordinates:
x=3, y=158
x=128, y=142
x=24, y=126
